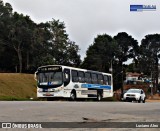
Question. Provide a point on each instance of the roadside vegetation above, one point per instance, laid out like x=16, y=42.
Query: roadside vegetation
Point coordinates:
x=16, y=86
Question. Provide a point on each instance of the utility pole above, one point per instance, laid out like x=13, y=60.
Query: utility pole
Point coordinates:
x=122, y=79
x=111, y=70
x=151, y=86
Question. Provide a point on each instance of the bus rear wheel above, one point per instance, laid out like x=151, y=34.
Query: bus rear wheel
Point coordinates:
x=73, y=96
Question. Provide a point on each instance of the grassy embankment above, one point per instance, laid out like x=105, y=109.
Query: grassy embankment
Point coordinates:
x=15, y=86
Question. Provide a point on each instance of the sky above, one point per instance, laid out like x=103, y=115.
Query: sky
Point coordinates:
x=85, y=19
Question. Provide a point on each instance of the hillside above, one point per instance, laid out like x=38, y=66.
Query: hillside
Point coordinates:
x=15, y=86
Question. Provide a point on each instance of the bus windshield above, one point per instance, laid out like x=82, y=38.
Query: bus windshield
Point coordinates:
x=50, y=78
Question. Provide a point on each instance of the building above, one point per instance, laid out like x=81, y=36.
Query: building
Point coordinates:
x=133, y=76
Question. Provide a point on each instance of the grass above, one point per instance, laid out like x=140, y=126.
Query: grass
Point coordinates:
x=15, y=86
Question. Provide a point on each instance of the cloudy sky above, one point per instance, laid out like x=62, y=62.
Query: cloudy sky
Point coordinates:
x=85, y=19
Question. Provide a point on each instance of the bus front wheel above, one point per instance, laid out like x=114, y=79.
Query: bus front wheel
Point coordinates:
x=99, y=96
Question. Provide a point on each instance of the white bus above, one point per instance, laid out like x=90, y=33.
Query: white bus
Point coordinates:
x=70, y=82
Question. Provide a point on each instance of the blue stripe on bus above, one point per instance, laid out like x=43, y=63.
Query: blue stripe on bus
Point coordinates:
x=97, y=86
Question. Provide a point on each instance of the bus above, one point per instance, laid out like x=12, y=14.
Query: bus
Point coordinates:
x=72, y=83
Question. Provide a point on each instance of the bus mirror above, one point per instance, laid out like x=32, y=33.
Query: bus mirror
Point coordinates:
x=66, y=76
x=35, y=75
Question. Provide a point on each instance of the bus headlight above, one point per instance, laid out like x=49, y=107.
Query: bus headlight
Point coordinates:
x=51, y=90
x=40, y=89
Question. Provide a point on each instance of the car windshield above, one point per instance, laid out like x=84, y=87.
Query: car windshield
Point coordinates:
x=50, y=78
x=133, y=91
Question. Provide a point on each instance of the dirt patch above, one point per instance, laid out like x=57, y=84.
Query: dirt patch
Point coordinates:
x=152, y=100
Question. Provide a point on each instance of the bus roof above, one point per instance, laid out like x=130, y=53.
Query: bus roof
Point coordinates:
x=74, y=68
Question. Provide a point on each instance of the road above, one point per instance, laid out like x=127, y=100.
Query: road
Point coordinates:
x=65, y=111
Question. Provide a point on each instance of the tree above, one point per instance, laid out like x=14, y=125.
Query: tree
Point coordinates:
x=32, y=45
x=20, y=36
x=127, y=48
x=5, y=21
x=132, y=68
x=51, y=45
x=72, y=56
x=100, y=54
x=150, y=54
x=62, y=49
x=40, y=50
x=6, y=59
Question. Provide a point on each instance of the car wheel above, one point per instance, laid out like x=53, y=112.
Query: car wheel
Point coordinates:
x=144, y=100
x=139, y=101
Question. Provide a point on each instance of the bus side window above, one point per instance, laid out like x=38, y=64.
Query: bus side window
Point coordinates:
x=66, y=76
x=94, y=78
x=105, y=79
x=87, y=77
x=74, y=76
x=109, y=80
x=100, y=79
x=81, y=76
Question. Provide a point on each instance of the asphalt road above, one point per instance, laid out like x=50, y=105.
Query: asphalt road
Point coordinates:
x=65, y=111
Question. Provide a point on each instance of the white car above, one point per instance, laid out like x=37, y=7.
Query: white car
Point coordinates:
x=135, y=95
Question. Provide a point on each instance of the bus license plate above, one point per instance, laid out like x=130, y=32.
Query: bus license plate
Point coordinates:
x=48, y=94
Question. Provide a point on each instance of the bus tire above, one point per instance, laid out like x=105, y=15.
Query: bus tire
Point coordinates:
x=73, y=95
x=99, y=96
